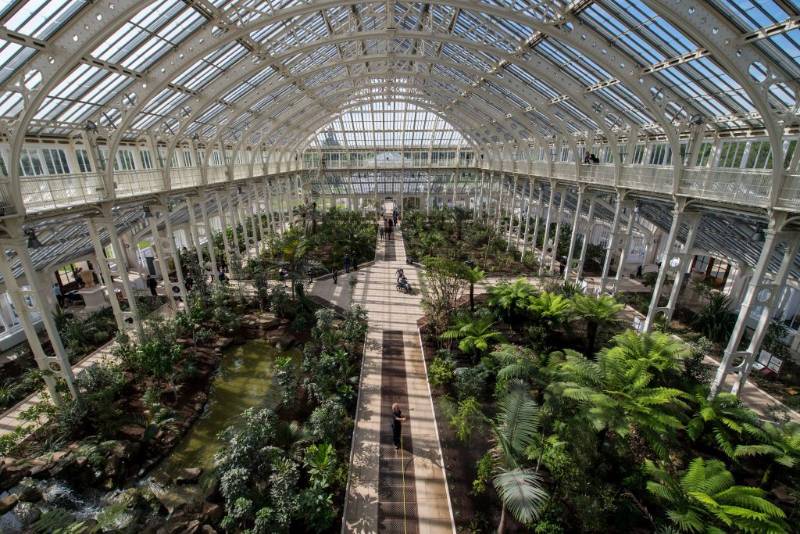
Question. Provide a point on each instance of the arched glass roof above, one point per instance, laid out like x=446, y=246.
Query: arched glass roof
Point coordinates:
x=514, y=71
x=387, y=125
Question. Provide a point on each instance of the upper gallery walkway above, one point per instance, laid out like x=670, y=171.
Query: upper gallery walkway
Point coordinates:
x=749, y=188
x=391, y=490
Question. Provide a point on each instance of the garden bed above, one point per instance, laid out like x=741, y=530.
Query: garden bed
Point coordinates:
x=543, y=390
x=132, y=414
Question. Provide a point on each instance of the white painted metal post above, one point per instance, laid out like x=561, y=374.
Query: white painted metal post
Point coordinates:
x=122, y=271
x=693, y=219
x=224, y=223
x=101, y=260
x=527, y=219
x=587, y=236
x=511, y=214
x=209, y=238
x=677, y=219
x=574, y=237
x=550, y=208
x=612, y=241
x=557, y=235
x=23, y=313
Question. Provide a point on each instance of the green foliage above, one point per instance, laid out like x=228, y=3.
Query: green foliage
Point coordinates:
x=329, y=423
x=550, y=309
x=441, y=371
x=706, y=499
x=515, y=429
x=511, y=300
x=483, y=475
x=597, y=312
x=621, y=392
x=715, y=320
x=444, y=283
x=472, y=381
x=99, y=386
x=722, y=420
x=474, y=337
x=84, y=335
x=778, y=443
x=467, y=417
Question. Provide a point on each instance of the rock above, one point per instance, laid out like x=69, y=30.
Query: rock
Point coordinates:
x=28, y=492
x=12, y=473
x=188, y=475
x=211, y=489
x=212, y=513
x=208, y=529
x=7, y=503
x=193, y=527
x=27, y=513
x=132, y=432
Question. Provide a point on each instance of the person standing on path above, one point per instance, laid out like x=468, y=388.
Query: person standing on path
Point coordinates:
x=397, y=424
x=335, y=276
x=380, y=232
x=346, y=263
x=151, y=284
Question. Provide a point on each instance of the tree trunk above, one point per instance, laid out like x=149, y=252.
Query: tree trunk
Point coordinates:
x=591, y=337
x=471, y=297
x=502, y=526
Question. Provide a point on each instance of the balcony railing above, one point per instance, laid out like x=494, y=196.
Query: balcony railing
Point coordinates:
x=42, y=193
x=744, y=187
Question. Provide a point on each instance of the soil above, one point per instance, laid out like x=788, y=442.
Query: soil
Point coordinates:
x=473, y=513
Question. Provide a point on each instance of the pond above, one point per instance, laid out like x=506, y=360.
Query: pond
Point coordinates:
x=245, y=381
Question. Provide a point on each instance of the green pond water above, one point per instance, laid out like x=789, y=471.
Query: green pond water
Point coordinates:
x=245, y=380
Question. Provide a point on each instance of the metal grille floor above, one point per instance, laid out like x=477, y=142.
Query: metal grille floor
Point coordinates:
x=397, y=496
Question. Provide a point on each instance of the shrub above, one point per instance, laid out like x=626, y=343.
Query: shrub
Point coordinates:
x=329, y=422
x=440, y=371
x=472, y=381
x=467, y=417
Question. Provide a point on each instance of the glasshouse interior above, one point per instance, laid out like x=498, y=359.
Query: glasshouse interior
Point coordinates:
x=408, y=267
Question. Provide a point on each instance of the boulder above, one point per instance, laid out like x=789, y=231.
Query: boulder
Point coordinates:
x=188, y=475
x=132, y=432
x=213, y=513
x=8, y=502
x=12, y=473
x=28, y=492
x=208, y=529
x=27, y=513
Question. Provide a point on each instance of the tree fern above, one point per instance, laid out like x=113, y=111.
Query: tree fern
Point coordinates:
x=706, y=499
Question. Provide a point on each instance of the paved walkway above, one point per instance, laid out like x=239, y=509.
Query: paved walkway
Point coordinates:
x=390, y=490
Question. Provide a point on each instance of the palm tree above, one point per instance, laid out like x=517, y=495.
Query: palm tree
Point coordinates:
x=706, y=499
x=475, y=336
x=724, y=418
x=516, y=363
x=514, y=430
x=551, y=309
x=598, y=313
x=294, y=251
x=473, y=275
x=619, y=398
x=511, y=299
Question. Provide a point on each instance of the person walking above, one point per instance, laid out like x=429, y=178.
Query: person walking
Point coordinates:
x=381, y=232
x=335, y=276
x=152, y=284
x=346, y=263
x=58, y=294
x=397, y=424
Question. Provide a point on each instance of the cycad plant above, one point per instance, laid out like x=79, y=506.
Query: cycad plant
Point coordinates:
x=514, y=430
x=474, y=336
x=621, y=395
x=516, y=363
x=706, y=499
x=723, y=420
x=598, y=313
